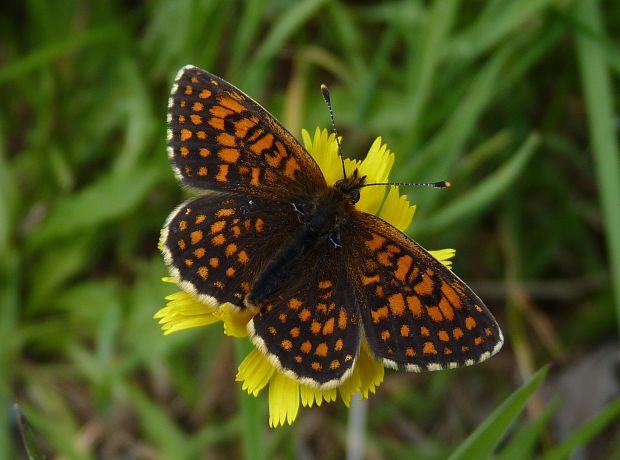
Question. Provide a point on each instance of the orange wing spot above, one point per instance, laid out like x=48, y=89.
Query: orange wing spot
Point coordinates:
x=181, y=118
x=393, y=249
x=189, y=262
x=261, y=144
x=404, y=330
x=225, y=212
x=243, y=257
x=189, y=89
x=204, y=152
x=335, y=364
x=385, y=258
x=200, y=218
x=194, y=79
x=183, y=225
x=219, y=111
x=229, y=155
x=184, y=151
x=274, y=160
x=236, y=230
x=478, y=340
x=188, y=170
x=451, y=295
x=457, y=333
x=242, y=126
x=203, y=272
x=366, y=280
x=222, y=172
x=217, y=123
x=181, y=244
x=328, y=328
x=446, y=309
x=294, y=303
x=379, y=314
x=470, y=323
x=291, y=168
x=379, y=291
x=196, y=236
x=424, y=287
x=429, y=348
x=375, y=243
x=272, y=330
x=201, y=135
x=245, y=287
x=286, y=344
x=230, y=272
x=464, y=348
x=247, y=224
x=259, y=225
x=257, y=132
x=385, y=335
x=306, y=347
x=410, y=352
x=294, y=332
x=255, y=176
x=199, y=253
x=183, y=103
x=298, y=359
x=348, y=358
x=185, y=134
x=342, y=319
x=443, y=336
x=231, y=249
x=282, y=317
x=204, y=94
x=231, y=104
x=321, y=350
x=424, y=331
x=487, y=331
x=315, y=327
x=325, y=284
x=304, y=315
x=397, y=304
x=339, y=344
x=316, y=366
x=218, y=240
x=435, y=314
x=214, y=262
x=447, y=351
x=219, y=285
x=226, y=140
x=218, y=226
x=198, y=106
x=478, y=307
x=196, y=119
x=403, y=264
x=415, y=307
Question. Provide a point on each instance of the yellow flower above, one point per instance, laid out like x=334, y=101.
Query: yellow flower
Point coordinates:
x=256, y=372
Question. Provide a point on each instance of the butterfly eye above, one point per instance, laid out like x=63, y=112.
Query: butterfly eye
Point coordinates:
x=354, y=195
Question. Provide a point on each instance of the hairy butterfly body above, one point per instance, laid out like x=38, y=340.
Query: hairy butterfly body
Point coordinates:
x=272, y=236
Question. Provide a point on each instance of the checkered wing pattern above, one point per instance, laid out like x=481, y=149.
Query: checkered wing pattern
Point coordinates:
x=220, y=139
x=216, y=245
x=417, y=315
x=311, y=330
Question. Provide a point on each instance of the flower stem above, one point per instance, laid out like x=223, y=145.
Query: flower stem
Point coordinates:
x=251, y=412
x=356, y=428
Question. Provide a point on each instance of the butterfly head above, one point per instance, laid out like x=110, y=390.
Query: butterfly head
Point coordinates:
x=349, y=187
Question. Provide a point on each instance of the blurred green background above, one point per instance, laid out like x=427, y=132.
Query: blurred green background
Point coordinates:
x=513, y=101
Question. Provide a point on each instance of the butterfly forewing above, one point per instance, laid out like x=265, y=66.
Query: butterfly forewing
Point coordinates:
x=416, y=313
x=220, y=139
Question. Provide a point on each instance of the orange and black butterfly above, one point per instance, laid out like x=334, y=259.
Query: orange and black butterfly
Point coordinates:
x=269, y=234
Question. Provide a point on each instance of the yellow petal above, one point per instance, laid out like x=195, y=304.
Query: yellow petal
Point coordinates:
x=235, y=320
x=283, y=400
x=370, y=370
x=376, y=167
x=444, y=256
x=255, y=371
x=396, y=210
x=324, y=149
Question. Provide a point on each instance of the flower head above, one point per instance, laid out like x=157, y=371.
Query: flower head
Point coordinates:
x=257, y=372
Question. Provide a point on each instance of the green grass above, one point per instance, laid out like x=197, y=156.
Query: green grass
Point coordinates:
x=512, y=101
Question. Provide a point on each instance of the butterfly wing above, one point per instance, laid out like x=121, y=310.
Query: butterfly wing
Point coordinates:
x=416, y=313
x=220, y=139
x=217, y=244
x=311, y=329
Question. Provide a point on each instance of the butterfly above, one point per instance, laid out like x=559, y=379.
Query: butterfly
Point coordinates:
x=269, y=235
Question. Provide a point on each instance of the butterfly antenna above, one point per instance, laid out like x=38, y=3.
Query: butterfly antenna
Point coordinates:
x=328, y=101
x=438, y=184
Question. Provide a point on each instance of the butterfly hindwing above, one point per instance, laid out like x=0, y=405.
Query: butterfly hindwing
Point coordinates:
x=311, y=329
x=220, y=139
x=216, y=245
x=416, y=313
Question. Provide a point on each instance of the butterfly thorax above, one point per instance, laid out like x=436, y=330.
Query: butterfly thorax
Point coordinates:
x=321, y=219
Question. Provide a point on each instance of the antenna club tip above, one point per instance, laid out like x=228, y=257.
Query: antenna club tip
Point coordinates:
x=447, y=184
x=325, y=91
